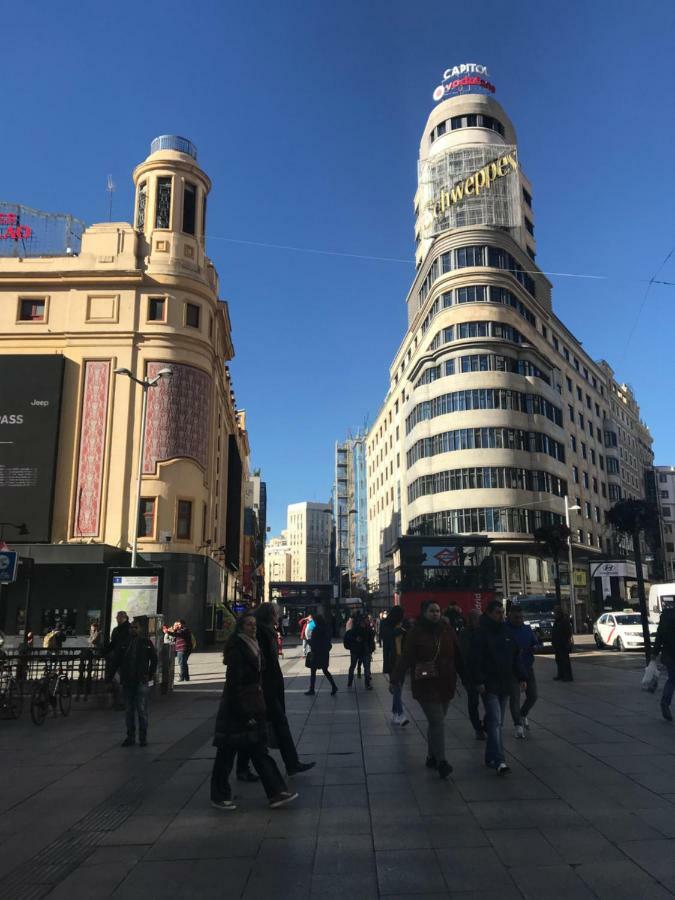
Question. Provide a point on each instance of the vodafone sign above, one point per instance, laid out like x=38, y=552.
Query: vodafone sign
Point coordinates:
x=469, y=78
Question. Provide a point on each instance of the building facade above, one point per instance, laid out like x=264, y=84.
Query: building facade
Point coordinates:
x=309, y=527
x=255, y=528
x=494, y=412
x=278, y=561
x=141, y=298
x=664, y=477
x=350, y=510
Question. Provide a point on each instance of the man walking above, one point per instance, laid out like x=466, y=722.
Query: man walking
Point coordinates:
x=466, y=639
x=494, y=667
x=561, y=638
x=137, y=664
x=119, y=638
x=527, y=642
x=665, y=645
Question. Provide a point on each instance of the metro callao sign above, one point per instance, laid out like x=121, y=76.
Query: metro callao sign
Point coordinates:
x=469, y=78
x=11, y=230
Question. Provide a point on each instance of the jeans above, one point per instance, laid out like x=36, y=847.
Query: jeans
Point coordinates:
x=518, y=710
x=495, y=707
x=182, y=660
x=435, y=716
x=397, y=701
x=136, y=696
x=563, y=662
x=312, y=678
x=473, y=702
x=358, y=657
x=270, y=776
x=669, y=686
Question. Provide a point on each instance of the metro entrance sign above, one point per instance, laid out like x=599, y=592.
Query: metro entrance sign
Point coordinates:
x=9, y=562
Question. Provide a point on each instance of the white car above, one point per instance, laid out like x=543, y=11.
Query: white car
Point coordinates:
x=621, y=630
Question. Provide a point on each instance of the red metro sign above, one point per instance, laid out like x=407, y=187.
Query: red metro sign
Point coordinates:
x=11, y=230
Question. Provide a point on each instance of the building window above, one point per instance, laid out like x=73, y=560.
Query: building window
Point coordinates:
x=664, y=495
x=569, y=384
x=184, y=520
x=163, y=203
x=663, y=479
x=146, y=517
x=580, y=395
x=586, y=482
x=156, y=309
x=33, y=310
x=529, y=226
x=192, y=311
x=587, y=509
x=189, y=208
x=665, y=510
x=575, y=474
x=141, y=204
x=570, y=410
x=670, y=548
x=573, y=443
x=527, y=197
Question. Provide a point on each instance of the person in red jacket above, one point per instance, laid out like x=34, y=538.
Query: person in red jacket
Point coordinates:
x=182, y=636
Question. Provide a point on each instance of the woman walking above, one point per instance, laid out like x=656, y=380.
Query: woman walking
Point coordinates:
x=319, y=654
x=431, y=652
x=240, y=724
x=392, y=651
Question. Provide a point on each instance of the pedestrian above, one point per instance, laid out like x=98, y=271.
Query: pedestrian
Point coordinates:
x=392, y=652
x=285, y=624
x=267, y=616
x=561, y=638
x=240, y=723
x=137, y=664
x=182, y=637
x=665, y=645
x=95, y=637
x=302, y=624
x=495, y=665
x=360, y=641
x=527, y=642
x=319, y=654
x=466, y=638
x=455, y=617
x=431, y=652
x=119, y=638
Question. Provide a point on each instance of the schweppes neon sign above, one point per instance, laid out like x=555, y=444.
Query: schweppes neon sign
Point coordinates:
x=472, y=186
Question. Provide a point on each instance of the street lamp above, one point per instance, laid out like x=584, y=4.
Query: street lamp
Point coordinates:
x=144, y=384
x=573, y=602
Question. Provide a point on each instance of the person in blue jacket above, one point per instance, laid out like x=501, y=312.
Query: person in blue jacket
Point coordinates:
x=527, y=642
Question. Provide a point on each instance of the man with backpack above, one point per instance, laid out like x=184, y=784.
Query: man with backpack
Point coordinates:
x=185, y=644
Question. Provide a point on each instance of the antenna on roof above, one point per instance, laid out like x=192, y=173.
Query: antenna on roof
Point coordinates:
x=110, y=188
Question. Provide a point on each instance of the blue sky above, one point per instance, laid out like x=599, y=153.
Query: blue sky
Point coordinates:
x=308, y=117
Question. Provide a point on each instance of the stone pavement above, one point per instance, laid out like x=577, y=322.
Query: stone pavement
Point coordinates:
x=588, y=811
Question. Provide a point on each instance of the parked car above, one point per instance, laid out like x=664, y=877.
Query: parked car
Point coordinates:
x=538, y=613
x=621, y=631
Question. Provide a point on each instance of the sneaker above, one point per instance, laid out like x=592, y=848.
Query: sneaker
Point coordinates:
x=431, y=762
x=128, y=742
x=403, y=721
x=282, y=799
x=526, y=722
x=395, y=719
x=503, y=769
x=300, y=767
x=444, y=769
x=520, y=731
x=666, y=713
x=223, y=804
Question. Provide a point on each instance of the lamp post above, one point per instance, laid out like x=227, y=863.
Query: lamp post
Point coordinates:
x=573, y=601
x=144, y=384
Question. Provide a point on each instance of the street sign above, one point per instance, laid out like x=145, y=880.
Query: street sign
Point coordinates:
x=9, y=560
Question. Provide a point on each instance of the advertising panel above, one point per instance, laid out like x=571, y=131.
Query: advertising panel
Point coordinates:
x=477, y=185
x=32, y=232
x=30, y=406
x=137, y=592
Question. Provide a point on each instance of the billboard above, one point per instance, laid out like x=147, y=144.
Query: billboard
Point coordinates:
x=468, y=78
x=30, y=405
x=477, y=185
x=31, y=232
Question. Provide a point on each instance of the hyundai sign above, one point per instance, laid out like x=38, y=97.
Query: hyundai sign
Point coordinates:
x=30, y=404
x=469, y=78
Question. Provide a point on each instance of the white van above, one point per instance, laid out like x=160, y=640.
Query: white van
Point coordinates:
x=658, y=595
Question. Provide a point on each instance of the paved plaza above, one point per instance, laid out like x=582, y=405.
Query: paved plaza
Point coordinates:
x=588, y=811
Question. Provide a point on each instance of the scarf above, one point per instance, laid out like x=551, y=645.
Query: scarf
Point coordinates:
x=252, y=646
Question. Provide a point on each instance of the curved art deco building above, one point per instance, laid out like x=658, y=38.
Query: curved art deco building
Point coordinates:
x=494, y=412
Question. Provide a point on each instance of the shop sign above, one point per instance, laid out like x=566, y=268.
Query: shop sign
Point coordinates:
x=11, y=230
x=614, y=570
x=580, y=578
x=475, y=183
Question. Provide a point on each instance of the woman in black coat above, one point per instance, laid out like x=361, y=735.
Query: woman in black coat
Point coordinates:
x=319, y=655
x=240, y=723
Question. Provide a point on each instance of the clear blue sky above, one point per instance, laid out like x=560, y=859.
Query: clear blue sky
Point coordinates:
x=307, y=117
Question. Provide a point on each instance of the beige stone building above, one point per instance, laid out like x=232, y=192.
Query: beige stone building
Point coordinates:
x=278, y=561
x=309, y=528
x=144, y=297
x=494, y=410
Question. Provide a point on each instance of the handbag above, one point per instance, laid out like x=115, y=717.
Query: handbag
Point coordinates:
x=427, y=670
x=309, y=660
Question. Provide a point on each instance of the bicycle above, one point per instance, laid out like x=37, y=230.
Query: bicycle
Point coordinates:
x=11, y=695
x=52, y=688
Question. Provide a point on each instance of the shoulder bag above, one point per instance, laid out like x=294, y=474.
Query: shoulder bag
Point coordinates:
x=427, y=670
